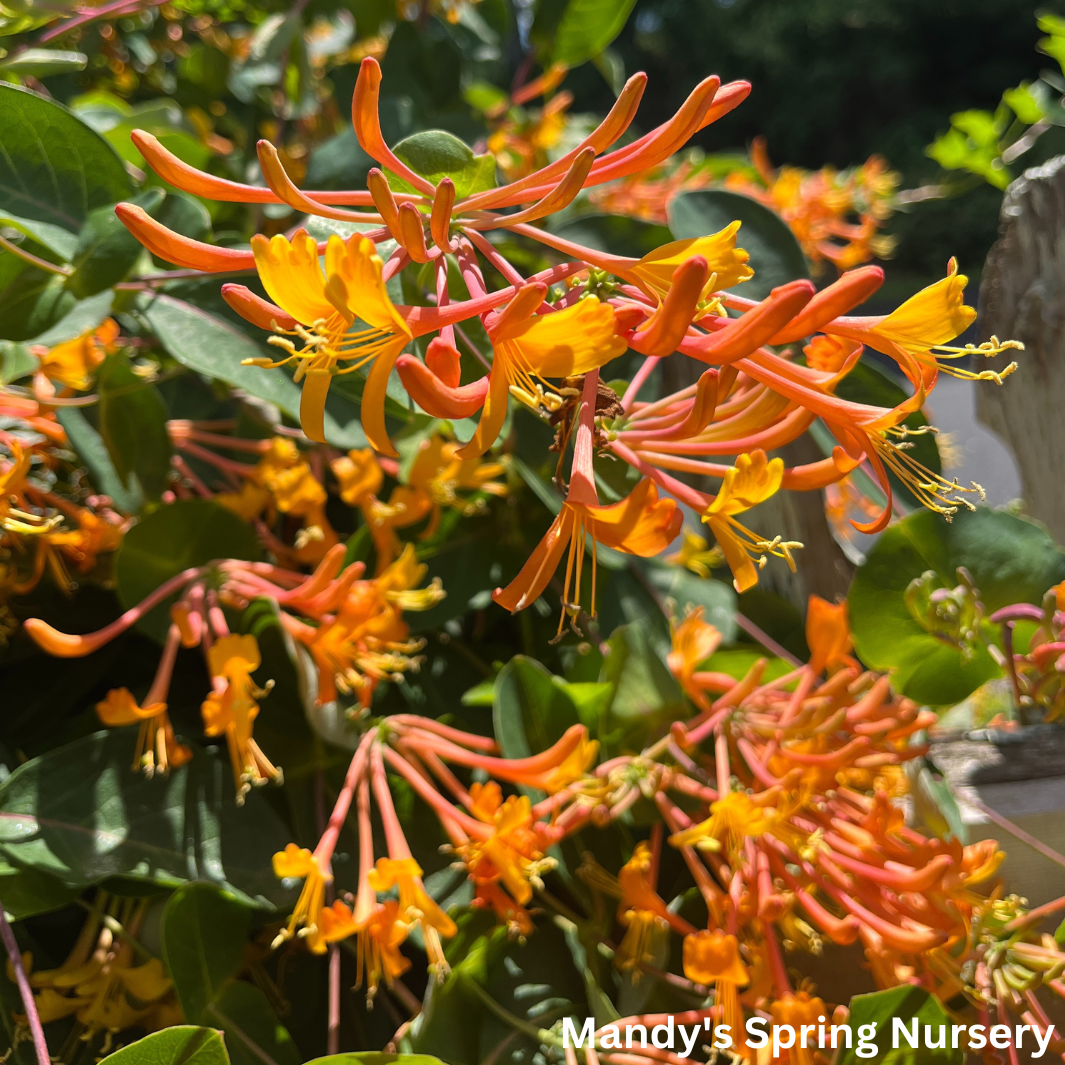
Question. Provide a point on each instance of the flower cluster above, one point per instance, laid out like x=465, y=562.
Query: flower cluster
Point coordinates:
x=352, y=628
x=836, y=216
x=1037, y=676
x=48, y=521
x=103, y=984
x=330, y=313
x=819, y=207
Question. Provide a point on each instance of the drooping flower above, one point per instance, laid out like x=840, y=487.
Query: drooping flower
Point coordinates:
x=917, y=334
x=727, y=264
x=712, y=958
x=73, y=362
x=751, y=481
x=157, y=747
x=511, y=855
x=640, y=524
x=231, y=708
x=694, y=641
x=306, y=918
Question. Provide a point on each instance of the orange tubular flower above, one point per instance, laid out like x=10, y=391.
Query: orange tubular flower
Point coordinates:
x=712, y=958
x=694, y=641
x=751, y=481
x=231, y=709
x=641, y=524
x=325, y=307
x=529, y=348
x=827, y=634
x=157, y=748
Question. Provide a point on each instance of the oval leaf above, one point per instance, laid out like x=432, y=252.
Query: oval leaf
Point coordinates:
x=183, y=1044
x=436, y=154
x=80, y=814
x=54, y=168
x=203, y=932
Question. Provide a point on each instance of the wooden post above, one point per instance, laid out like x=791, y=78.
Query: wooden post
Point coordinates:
x=1022, y=296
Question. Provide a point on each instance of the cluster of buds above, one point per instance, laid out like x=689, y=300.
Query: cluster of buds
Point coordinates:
x=352, y=628
x=329, y=312
x=1038, y=677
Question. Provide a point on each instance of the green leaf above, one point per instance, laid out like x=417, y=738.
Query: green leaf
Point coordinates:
x=530, y=709
x=28, y=892
x=106, y=250
x=183, y=1044
x=191, y=532
x=376, y=1057
x=776, y=257
x=203, y=932
x=43, y=62
x=1011, y=560
x=254, y=1035
x=92, y=451
x=215, y=349
x=81, y=814
x=646, y=695
x=587, y=27
x=54, y=168
x=133, y=416
x=909, y=1004
x=436, y=154
x=81, y=318
x=16, y=360
x=686, y=589
x=61, y=242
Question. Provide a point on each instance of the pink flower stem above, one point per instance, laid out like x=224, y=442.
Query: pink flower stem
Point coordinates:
x=638, y=381
x=161, y=684
x=28, y=1003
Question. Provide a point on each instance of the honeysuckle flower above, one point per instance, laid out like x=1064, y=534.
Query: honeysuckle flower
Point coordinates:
x=415, y=905
x=642, y=911
x=366, y=641
x=696, y=555
x=733, y=818
x=529, y=348
x=231, y=709
x=828, y=634
x=726, y=264
x=380, y=938
x=74, y=362
x=797, y=1009
x=99, y=984
x=712, y=958
x=306, y=919
x=917, y=333
x=694, y=641
x=441, y=473
x=641, y=524
x=157, y=747
x=511, y=855
x=325, y=307
x=751, y=481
